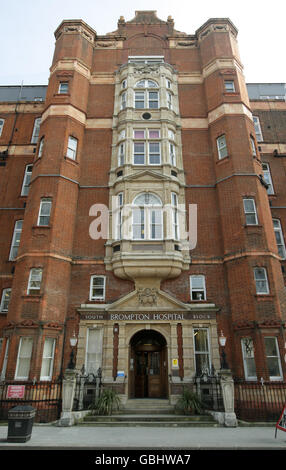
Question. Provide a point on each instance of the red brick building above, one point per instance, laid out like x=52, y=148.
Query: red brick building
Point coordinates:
x=156, y=127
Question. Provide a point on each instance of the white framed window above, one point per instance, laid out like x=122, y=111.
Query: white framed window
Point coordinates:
x=26, y=180
x=261, y=281
x=123, y=100
x=147, y=150
x=121, y=154
x=72, y=147
x=175, y=216
x=257, y=129
x=122, y=135
x=168, y=84
x=139, y=153
x=45, y=212
x=24, y=358
x=2, y=121
x=172, y=152
x=36, y=131
x=16, y=240
x=97, y=288
x=253, y=146
x=48, y=359
x=169, y=100
x=5, y=299
x=273, y=358
x=93, y=358
x=147, y=217
x=146, y=95
x=250, y=211
x=4, y=366
x=267, y=177
x=198, y=287
x=142, y=59
x=248, y=358
x=202, y=350
x=63, y=88
x=41, y=147
x=171, y=134
x=279, y=238
x=229, y=86
x=221, y=147
x=119, y=209
x=35, y=280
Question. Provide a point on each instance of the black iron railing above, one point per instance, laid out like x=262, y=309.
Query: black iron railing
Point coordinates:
x=88, y=388
x=45, y=397
x=208, y=388
x=259, y=401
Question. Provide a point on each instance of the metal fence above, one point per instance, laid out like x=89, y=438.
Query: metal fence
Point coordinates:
x=87, y=389
x=45, y=397
x=259, y=401
x=208, y=388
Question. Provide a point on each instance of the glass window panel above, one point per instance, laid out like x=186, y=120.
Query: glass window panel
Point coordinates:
x=94, y=350
x=201, y=340
x=24, y=357
x=152, y=84
x=154, y=134
x=139, y=134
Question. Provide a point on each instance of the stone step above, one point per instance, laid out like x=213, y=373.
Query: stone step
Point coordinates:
x=148, y=417
x=150, y=420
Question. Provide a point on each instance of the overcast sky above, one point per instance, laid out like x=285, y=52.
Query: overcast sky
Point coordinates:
x=27, y=31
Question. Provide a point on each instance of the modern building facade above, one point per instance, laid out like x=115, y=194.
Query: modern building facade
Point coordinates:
x=143, y=210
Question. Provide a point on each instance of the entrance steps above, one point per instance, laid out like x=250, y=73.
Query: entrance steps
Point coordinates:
x=149, y=413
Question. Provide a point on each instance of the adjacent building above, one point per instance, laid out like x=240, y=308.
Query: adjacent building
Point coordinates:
x=143, y=211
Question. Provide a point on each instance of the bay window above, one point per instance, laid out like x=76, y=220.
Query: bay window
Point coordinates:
x=147, y=217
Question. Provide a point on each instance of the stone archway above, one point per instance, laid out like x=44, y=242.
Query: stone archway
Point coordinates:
x=148, y=368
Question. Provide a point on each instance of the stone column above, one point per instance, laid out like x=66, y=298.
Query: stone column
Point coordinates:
x=227, y=387
x=67, y=418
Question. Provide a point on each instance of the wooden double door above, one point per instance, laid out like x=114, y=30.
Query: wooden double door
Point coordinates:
x=149, y=370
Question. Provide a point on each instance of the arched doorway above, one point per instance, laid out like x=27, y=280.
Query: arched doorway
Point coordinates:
x=148, y=365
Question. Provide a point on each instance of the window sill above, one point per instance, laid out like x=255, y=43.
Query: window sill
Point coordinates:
x=70, y=160
x=41, y=226
x=34, y=297
x=264, y=297
x=224, y=159
x=231, y=93
x=252, y=226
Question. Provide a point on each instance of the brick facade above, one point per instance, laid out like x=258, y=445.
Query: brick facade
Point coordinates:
x=199, y=66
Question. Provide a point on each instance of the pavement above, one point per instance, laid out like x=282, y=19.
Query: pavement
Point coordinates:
x=52, y=437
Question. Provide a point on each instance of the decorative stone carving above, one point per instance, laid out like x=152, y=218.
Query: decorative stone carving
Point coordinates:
x=146, y=68
x=147, y=296
x=186, y=43
x=106, y=44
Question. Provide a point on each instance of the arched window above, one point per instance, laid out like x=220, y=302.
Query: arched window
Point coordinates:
x=147, y=217
x=146, y=95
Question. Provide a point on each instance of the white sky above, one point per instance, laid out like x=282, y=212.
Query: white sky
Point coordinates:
x=27, y=31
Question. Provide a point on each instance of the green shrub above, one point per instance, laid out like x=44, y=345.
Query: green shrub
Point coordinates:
x=189, y=403
x=106, y=402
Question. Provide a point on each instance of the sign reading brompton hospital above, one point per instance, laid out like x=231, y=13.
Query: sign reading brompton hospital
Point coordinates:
x=150, y=316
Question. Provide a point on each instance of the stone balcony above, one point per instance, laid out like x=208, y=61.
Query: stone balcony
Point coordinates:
x=147, y=261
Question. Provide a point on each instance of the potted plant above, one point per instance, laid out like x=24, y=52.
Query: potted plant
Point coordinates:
x=189, y=402
x=106, y=402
